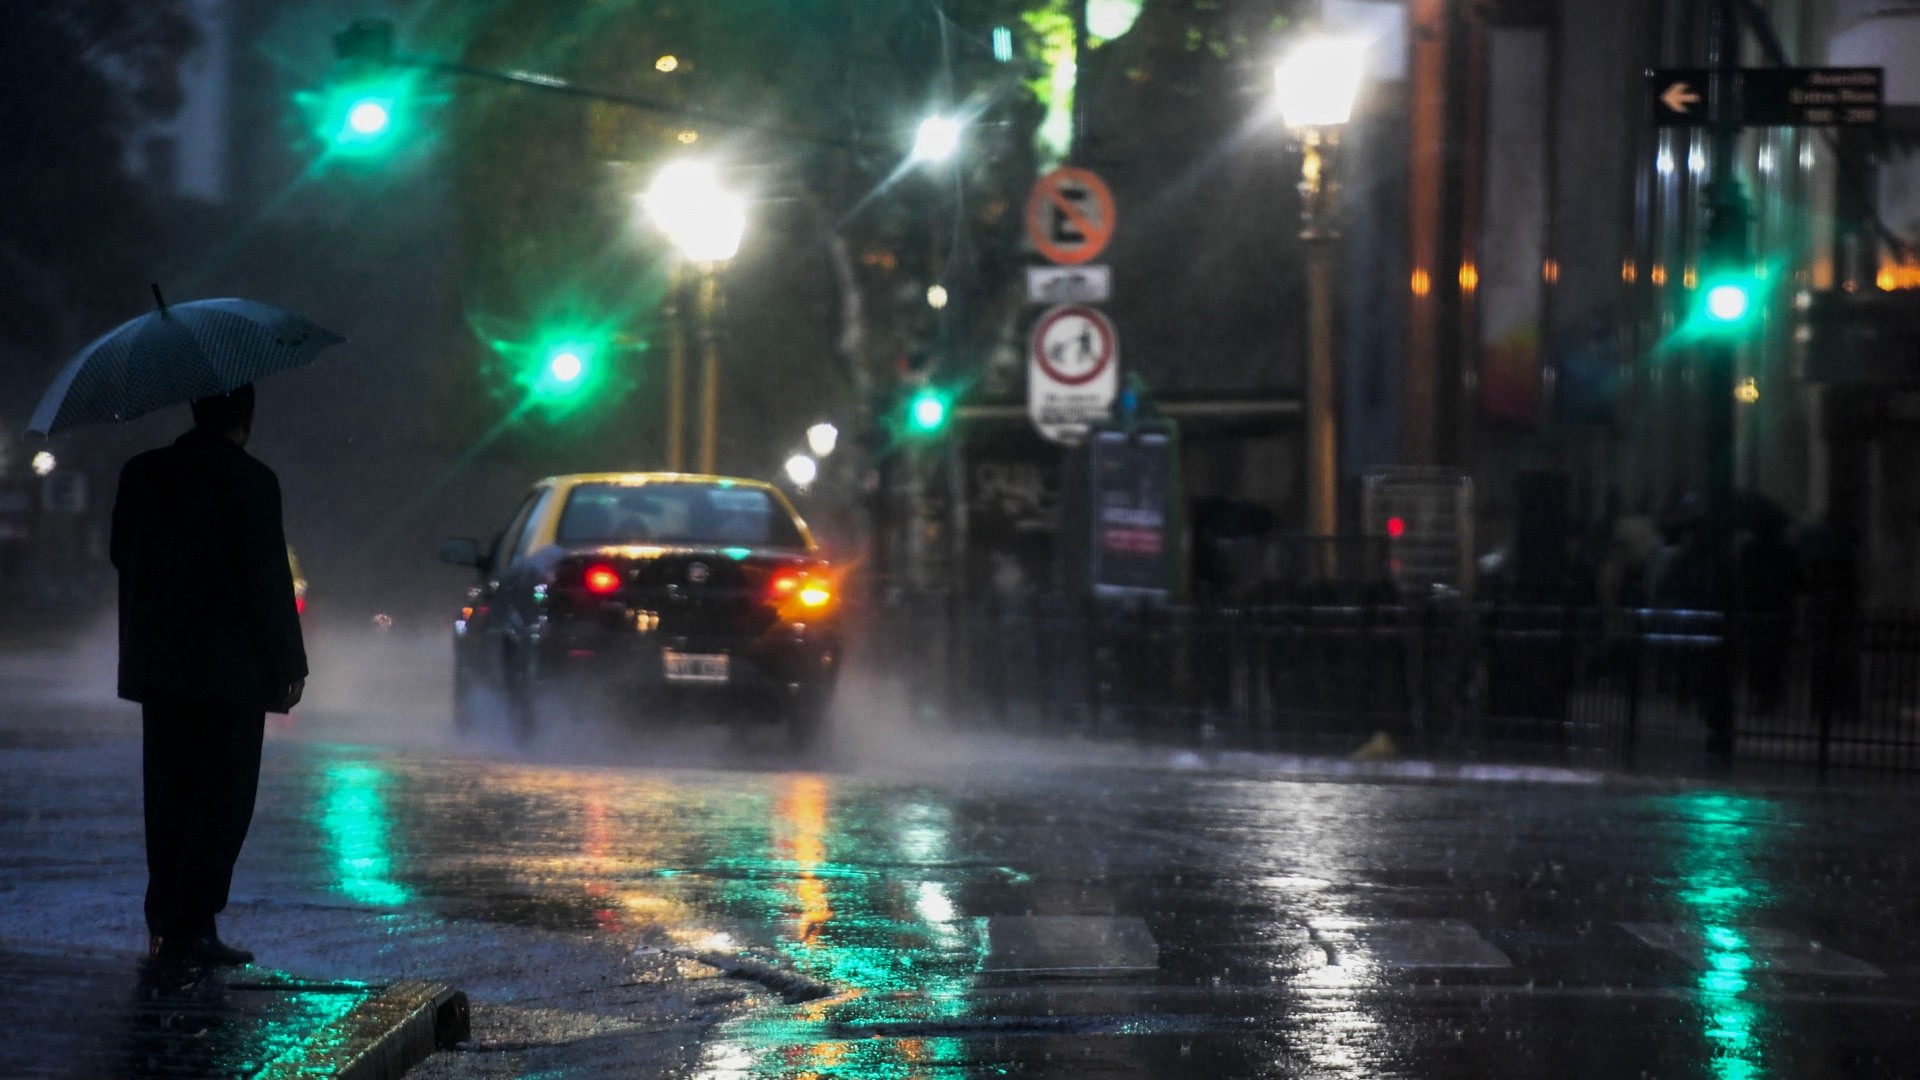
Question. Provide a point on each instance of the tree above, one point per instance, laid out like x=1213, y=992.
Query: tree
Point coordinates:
x=75, y=228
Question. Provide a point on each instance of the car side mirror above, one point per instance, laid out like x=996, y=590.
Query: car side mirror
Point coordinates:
x=461, y=552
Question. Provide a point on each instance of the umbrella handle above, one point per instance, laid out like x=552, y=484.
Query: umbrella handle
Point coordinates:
x=157, y=298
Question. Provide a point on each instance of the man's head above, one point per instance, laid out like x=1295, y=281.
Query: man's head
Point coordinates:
x=229, y=414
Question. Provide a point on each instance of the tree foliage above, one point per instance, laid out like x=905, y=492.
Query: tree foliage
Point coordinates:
x=74, y=226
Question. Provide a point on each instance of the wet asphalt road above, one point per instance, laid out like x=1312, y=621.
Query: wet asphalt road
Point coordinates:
x=984, y=909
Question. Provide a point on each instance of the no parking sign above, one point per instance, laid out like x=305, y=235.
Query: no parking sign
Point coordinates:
x=1070, y=216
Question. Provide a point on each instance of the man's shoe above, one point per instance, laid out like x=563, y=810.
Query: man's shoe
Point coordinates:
x=206, y=949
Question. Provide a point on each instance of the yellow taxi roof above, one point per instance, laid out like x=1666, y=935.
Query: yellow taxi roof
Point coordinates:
x=655, y=477
x=567, y=481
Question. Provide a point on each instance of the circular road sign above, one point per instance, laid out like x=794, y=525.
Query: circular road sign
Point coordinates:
x=1073, y=345
x=1070, y=216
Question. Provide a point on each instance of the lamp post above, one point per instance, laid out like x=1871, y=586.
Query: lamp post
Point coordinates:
x=1315, y=85
x=704, y=222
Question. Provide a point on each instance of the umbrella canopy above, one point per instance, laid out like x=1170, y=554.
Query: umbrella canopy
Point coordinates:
x=174, y=355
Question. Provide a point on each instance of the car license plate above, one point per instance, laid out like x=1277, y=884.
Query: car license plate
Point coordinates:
x=695, y=667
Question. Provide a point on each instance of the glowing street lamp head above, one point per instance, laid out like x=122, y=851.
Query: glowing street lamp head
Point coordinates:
x=822, y=438
x=937, y=139
x=1316, y=82
x=44, y=463
x=802, y=470
x=702, y=219
x=1108, y=19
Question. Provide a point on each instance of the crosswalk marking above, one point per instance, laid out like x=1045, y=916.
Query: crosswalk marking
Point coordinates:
x=1406, y=943
x=1777, y=952
x=1082, y=944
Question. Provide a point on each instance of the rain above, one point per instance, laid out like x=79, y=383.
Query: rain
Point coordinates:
x=959, y=538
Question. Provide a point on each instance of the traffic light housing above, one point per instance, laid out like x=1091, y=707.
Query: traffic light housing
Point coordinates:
x=367, y=41
x=368, y=109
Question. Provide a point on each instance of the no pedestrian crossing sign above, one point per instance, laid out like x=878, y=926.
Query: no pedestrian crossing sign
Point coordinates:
x=1070, y=216
x=1073, y=371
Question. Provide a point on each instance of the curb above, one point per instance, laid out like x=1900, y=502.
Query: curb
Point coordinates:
x=382, y=1037
x=793, y=987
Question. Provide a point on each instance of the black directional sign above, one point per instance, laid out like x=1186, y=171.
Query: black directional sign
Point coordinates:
x=1811, y=97
x=1680, y=96
x=1771, y=97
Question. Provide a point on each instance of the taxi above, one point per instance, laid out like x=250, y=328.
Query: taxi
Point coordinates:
x=654, y=591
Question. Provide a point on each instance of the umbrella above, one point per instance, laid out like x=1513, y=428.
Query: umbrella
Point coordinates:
x=174, y=355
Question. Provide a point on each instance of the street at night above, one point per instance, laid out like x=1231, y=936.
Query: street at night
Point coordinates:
x=916, y=903
x=894, y=539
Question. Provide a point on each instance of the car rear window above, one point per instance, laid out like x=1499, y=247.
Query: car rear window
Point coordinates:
x=677, y=514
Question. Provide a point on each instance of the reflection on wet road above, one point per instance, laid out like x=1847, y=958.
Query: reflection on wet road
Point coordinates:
x=1148, y=922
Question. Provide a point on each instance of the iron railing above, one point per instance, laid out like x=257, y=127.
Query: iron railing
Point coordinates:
x=1442, y=679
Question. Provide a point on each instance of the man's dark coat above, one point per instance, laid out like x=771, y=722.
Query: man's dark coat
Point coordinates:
x=206, y=595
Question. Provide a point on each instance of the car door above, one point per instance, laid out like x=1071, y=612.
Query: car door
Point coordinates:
x=516, y=575
x=488, y=595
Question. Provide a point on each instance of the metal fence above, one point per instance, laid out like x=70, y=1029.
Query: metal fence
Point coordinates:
x=1612, y=689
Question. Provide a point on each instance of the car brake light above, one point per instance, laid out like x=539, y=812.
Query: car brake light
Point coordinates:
x=602, y=580
x=299, y=605
x=795, y=586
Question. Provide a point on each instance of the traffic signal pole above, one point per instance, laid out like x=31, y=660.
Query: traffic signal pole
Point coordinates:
x=709, y=365
x=1725, y=246
x=370, y=42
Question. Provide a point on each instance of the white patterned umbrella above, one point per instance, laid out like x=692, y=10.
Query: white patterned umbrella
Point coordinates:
x=173, y=356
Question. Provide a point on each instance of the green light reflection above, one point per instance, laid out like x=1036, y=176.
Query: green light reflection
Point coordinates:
x=893, y=939
x=353, y=814
x=1719, y=886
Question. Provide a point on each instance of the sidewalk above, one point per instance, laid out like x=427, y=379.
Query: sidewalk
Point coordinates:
x=99, y=1015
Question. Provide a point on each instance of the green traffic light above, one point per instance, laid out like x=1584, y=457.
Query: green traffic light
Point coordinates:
x=565, y=370
x=566, y=366
x=1728, y=302
x=369, y=118
x=928, y=412
x=364, y=124
x=362, y=116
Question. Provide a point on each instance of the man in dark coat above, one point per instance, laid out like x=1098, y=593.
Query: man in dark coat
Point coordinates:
x=209, y=643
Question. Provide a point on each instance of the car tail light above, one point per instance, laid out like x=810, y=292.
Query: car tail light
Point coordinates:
x=794, y=588
x=602, y=580
x=299, y=605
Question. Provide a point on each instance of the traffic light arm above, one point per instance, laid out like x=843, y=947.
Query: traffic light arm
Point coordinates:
x=370, y=42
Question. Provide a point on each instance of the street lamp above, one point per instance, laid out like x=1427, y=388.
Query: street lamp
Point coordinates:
x=44, y=463
x=703, y=219
x=802, y=470
x=1314, y=86
x=822, y=438
x=937, y=139
x=704, y=222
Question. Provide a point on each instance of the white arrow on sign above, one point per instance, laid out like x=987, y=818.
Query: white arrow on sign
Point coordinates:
x=1678, y=97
